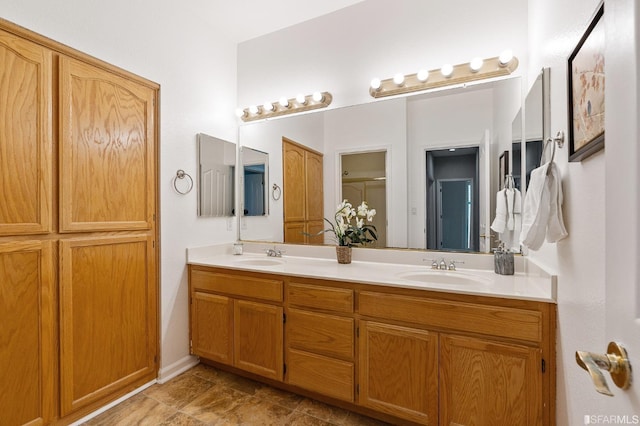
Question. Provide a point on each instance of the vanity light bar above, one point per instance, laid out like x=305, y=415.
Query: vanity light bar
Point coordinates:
x=478, y=69
x=285, y=106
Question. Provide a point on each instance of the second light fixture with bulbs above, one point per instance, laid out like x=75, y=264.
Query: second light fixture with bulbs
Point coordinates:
x=477, y=69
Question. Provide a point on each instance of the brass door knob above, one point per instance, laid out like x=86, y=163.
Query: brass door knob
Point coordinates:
x=615, y=361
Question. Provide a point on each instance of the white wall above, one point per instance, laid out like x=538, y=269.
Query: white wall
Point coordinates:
x=196, y=70
x=579, y=260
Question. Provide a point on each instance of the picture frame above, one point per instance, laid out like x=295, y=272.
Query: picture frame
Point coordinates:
x=586, y=80
x=503, y=167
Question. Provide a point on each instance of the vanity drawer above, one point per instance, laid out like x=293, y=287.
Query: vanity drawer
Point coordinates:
x=327, y=376
x=321, y=333
x=237, y=285
x=320, y=297
x=499, y=321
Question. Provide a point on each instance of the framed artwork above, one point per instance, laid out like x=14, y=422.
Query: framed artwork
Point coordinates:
x=504, y=168
x=586, y=91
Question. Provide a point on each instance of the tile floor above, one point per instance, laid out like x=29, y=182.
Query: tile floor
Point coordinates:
x=207, y=396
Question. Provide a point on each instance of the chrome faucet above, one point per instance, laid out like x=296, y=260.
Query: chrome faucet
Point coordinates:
x=442, y=265
x=274, y=252
x=452, y=264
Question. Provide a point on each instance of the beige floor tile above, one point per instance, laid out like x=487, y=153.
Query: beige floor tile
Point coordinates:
x=256, y=411
x=180, y=391
x=301, y=419
x=279, y=397
x=206, y=372
x=355, y=419
x=138, y=410
x=323, y=411
x=241, y=384
x=215, y=403
x=180, y=419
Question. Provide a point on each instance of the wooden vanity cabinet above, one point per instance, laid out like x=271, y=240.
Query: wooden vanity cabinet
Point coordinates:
x=236, y=319
x=407, y=356
x=320, y=339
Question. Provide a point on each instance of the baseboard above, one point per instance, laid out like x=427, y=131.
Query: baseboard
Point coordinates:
x=170, y=371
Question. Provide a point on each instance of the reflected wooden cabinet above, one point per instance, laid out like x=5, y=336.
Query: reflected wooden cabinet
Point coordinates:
x=399, y=371
x=91, y=328
x=302, y=193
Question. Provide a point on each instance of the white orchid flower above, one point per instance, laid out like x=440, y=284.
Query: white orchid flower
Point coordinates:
x=370, y=214
x=359, y=223
x=363, y=209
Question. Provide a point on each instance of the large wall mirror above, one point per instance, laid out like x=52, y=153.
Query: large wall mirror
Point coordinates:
x=448, y=139
x=216, y=171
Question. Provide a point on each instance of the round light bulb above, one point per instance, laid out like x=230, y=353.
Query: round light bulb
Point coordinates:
x=301, y=99
x=318, y=97
x=423, y=75
x=476, y=64
x=447, y=70
x=253, y=109
x=284, y=102
x=267, y=106
x=398, y=79
x=505, y=57
x=239, y=112
x=376, y=83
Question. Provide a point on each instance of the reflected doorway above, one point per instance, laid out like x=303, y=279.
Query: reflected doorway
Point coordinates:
x=364, y=179
x=453, y=207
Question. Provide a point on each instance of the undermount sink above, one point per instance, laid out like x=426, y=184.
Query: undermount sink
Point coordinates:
x=443, y=277
x=260, y=262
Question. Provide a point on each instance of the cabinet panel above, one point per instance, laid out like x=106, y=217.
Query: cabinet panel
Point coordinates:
x=107, y=152
x=399, y=371
x=321, y=333
x=320, y=297
x=318, y=373
x=491, y=320
x=212, y=327
x=27, y=352
x=314, y=229
x=107, y=316
x=294, y=232
x=258, y=338
x=486, y=383
x=237, y=285
x=25, y=136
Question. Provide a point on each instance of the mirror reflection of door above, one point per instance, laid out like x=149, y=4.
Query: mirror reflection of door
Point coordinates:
x=364, y=179
x=453, y=213
x=216, y=159
x=254, y=199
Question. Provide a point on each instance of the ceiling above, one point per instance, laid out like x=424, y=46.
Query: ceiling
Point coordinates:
x=243, y=20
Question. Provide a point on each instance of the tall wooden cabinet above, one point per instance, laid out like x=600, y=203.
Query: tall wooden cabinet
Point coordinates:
x=78, y=232
x=303, y=193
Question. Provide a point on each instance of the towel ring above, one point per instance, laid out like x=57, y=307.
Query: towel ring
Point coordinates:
x=276, y=192
x=181, y=174
x=557, y=140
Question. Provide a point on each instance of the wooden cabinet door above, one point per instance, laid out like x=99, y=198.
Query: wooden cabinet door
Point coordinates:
x=25, y=136
x=27, y=334
x=107, y=150
x=294, y=232
x=108, y=317
x=488, y=383
x=398, y=371
x=314, y=229
x=212, y=327
x=314, y=187
x=257, y=336
x=293, y=182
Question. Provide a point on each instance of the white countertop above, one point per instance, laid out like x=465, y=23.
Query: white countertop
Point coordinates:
x=475, y=277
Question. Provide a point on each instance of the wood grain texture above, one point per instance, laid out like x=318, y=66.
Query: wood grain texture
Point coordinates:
x=25, y=136
x=320, y=333
x=314, y=188
x=294, y=232
x=491, y=320
x=398, y=371
x=27, y=345
x=486, y=383
x=237, y=285
x=293, y=183
x=107, y=150
x=212, y=327
x=258, y=338
x=320, y=297
x=328, y=376
x=108, y=316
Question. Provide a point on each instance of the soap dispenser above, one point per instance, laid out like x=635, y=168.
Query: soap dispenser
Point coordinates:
x=503, y=260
